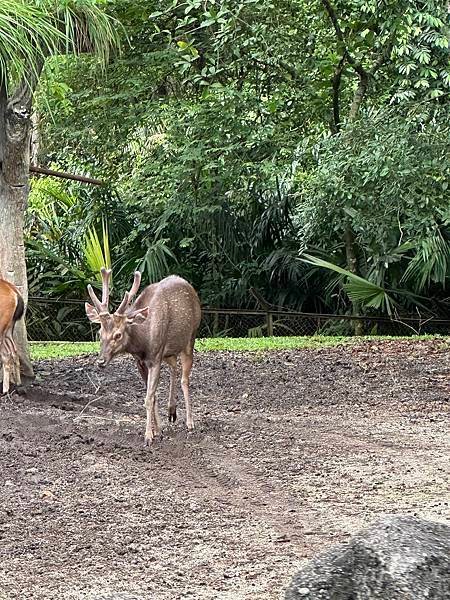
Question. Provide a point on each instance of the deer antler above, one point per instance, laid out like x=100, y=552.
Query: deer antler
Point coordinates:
x=101, y=307
x=128, y=296
x=106, y=278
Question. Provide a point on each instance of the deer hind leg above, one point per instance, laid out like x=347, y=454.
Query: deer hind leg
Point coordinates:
x=15, y=360
x=172, y=406
x=10, y=360
x=17, y=376
x=186, y=366
x=5, y=357
x=153, y=422
x=6, y=376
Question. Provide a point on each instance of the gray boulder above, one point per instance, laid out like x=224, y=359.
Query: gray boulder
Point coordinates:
x=396, y=558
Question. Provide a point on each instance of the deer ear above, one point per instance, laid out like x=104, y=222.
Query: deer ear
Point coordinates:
x=91, y=313
x=138, y=316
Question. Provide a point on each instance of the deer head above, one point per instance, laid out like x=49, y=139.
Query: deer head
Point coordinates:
x=115, y=329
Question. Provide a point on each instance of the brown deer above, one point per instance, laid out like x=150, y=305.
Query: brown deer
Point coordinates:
x=160, y=326
x=12, y=308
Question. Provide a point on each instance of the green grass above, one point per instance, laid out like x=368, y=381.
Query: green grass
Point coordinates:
x=268, y=343
x=41, y=350
x=49, y=350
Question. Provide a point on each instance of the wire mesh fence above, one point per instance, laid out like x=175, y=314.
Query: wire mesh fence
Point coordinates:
x=65, y=320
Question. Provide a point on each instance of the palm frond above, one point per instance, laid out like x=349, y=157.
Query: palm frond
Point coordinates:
x=96, y=252
x=155, y=262
x=358, y=289
x=32, y=31
x=87, y=27
x=27, y=35
x=431, y=263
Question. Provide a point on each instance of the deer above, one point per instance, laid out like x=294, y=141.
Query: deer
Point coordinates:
x=12, y=308
x=160, y=326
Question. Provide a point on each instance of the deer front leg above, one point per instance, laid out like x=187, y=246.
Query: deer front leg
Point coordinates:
x=153, y=422
x=143, y=371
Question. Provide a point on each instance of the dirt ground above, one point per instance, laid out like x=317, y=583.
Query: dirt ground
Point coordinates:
x=293, y=451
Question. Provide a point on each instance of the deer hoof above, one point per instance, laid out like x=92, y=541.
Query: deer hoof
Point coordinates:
x=172, y=416
x=148, y=441
x=9, y=392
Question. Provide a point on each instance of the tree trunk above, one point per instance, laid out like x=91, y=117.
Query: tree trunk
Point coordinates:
x=352, y=266
x=349, y=236
x=15, y=130
x=358, y=98
x=359, y=94
x=35, y=138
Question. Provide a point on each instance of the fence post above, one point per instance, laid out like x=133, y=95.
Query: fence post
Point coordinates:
x=269, y=324
x=215, y=324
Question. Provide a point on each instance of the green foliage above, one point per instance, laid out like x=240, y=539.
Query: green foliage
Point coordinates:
x=156, y=260
x=235, y=135
x=387, y=177
x=359, y=289
x=97, y=253
x=431, y=262
x=58, y=350
x=30, y=32
x=26, y=30
x=59, y=261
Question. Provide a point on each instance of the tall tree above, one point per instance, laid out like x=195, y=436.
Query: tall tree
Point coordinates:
x=30, y=33
x=407, y=39
x=216, y=123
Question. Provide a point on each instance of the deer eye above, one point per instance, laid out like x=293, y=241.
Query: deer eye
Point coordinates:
x=117, y=336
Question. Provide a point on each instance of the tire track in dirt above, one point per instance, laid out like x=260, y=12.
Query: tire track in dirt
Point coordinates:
x=232, y=481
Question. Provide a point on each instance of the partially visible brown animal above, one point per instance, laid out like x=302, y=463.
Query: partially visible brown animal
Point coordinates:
x=12, y=309
x=160, y=326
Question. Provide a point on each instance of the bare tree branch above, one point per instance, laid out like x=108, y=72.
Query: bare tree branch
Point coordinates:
x=335, y=22
x=63, y=175
x=363, y=74
x=340, y=36
x=337, y=77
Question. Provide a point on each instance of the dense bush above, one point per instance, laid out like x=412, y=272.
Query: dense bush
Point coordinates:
x=234, y=138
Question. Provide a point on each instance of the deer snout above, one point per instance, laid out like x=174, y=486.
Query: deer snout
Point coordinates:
x=101, y=362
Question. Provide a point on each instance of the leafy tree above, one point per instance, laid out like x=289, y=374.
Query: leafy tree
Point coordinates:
x=30, y=33
x=389, y=174
x=220, y=123
x=402, y=43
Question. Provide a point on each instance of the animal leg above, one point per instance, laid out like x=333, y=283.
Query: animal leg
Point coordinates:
x=15, y=360
x=186, y=366
x=153, y=423
x=143, y=371
x=5, y=356
x=6, y=376
x=172, y=407
x=17, y=369
x=156, y=417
